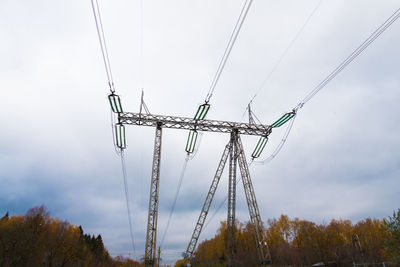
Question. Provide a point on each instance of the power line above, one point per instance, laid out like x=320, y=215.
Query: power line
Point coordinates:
x=204, y=108
x=103, y=45
x=308, y=97
x=321, y=85
x=382, y=28
x=331, y=76
x=228, y=48
x=141, y=44
x=127, y=200
x=175, y=197
x=220, y=205
x=291, y=43
x=218, y=208
x=189, y=156
x=119, y=149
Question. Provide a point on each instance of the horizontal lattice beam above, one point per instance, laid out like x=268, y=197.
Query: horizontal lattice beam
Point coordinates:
x=191, y=124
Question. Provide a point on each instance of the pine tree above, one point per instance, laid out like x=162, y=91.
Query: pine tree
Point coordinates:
x=392, y=244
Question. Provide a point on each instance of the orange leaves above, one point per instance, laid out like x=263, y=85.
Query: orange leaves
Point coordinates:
x=36, y=239
x=301, y=242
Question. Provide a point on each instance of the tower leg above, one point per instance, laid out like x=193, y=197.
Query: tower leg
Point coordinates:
x=206, y=206
x=262, y=246
x=230, y=236
x=151, y=236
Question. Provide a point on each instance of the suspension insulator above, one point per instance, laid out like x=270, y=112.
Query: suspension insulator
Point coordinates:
x=191, y=141
x=120, y=139
x=115, y=103
x=282, y=120
x=259, y=147
x=202, y=112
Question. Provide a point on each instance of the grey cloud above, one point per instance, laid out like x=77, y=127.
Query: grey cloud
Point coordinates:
x=341, y=159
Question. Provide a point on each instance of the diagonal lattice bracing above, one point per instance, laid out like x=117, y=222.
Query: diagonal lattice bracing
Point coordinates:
x=206, y=206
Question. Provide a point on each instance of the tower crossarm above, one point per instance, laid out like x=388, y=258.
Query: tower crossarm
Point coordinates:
x=191, y=124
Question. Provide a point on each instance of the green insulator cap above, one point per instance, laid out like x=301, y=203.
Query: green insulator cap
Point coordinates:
x=191, y=141
x=115, y=103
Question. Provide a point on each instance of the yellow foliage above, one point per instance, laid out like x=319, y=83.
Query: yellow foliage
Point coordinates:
x=299, y=242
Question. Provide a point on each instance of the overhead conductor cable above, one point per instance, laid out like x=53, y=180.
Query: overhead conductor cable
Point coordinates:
x=118, y=129
x=284, y=53
x=127, y=200
x=103, y=45
x=203, y=109
x=321, y=85
x=175, y=199
x=228, y=48
x=286, y=117
x=382, y=28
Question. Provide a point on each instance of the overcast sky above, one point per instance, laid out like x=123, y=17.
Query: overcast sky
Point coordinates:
x=342, y=159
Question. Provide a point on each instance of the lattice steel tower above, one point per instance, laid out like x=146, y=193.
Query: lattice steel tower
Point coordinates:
x=233, y=150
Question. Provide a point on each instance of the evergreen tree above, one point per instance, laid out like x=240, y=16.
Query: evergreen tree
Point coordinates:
x=392, y=244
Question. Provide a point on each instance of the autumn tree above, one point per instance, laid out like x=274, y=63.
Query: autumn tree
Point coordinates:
x=306, y=241
x=246, y=250
x=212, y=252
x=36, y=239
x=121, y=261
x=371, y=234
x=298, y=242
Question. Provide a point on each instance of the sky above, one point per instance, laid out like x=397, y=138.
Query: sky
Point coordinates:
x=341, y=160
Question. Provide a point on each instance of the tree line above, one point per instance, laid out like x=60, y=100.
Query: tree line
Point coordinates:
x=36, y=239
x=296, y=242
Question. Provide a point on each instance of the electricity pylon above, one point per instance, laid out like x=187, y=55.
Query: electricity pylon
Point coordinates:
x=234, y=149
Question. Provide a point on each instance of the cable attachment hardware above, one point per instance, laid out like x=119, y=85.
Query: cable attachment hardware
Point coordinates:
x=191, y=141
x=120, y=139
x=299, y=106
x=112, y=88
x=115, y=103
x=262, y=142
x=202, y=112
x=282, y=120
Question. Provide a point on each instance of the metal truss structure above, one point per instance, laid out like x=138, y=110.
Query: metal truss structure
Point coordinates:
x=191, y=124
x=151, y=236
x=207, y=203
x=233, y=149
x=230, y=221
